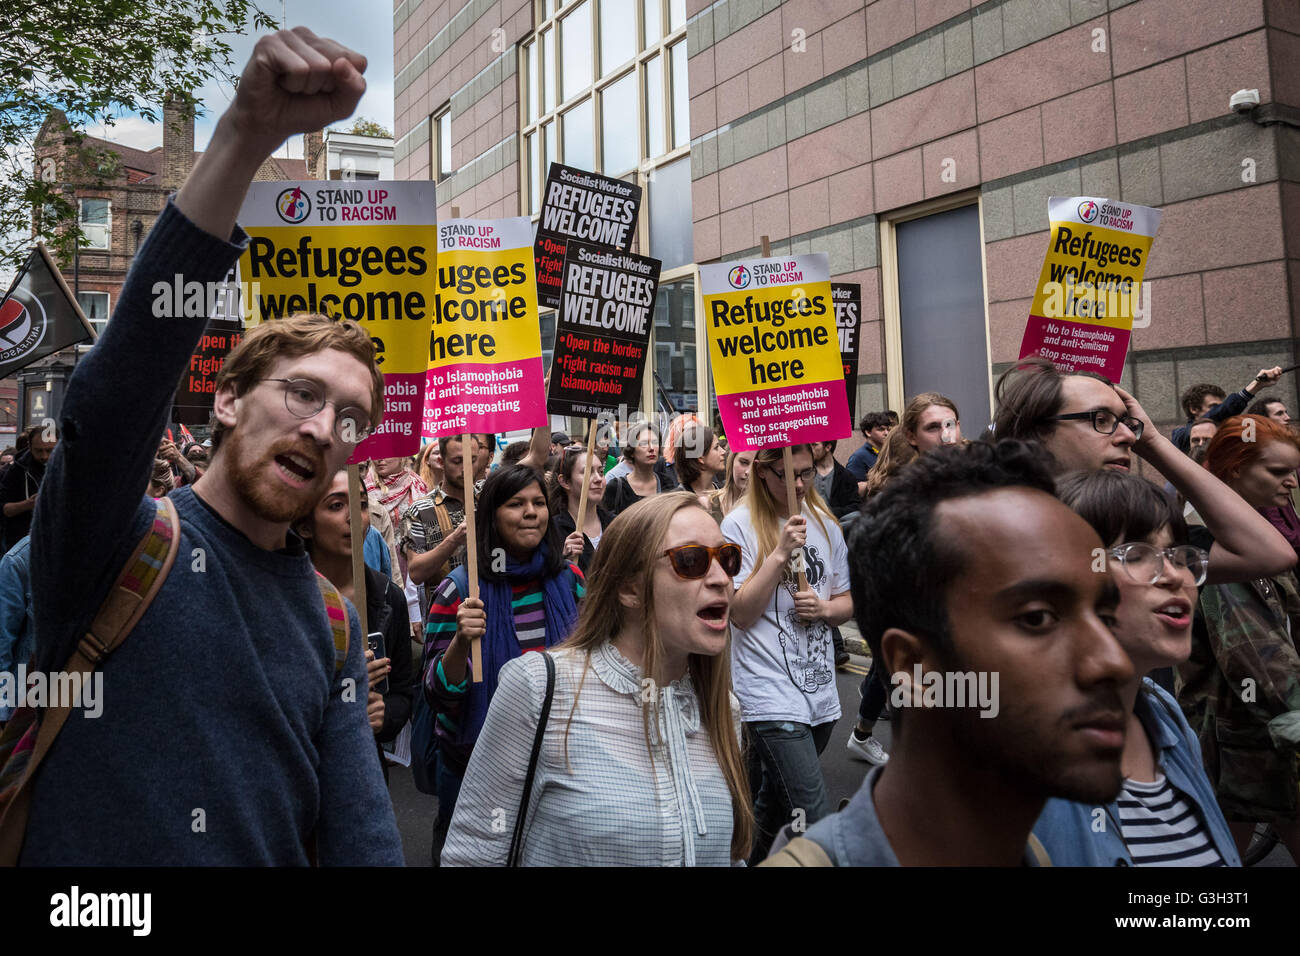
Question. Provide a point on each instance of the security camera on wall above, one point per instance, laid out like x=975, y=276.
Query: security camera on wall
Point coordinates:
x=1243, y=101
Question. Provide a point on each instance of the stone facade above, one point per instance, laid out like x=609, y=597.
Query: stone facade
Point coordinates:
x=812, y=119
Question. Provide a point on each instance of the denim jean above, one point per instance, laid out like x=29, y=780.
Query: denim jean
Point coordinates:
x=447, y=784
x=792, y=777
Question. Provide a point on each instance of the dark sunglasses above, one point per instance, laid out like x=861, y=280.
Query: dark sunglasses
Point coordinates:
x=692, y=561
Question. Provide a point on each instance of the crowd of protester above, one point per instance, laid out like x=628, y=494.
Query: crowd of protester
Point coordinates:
x=655, y=615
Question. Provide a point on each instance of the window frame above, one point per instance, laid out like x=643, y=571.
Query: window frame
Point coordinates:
x=107, y=227
x=436, y=120
x=891, y=312
x=533, y=43
x=549, y=125
x=97, y=324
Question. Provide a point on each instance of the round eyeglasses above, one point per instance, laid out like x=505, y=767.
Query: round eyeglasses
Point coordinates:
x=1104, y=421
x=1144, y=563
x=305, y=399
x=805, y=476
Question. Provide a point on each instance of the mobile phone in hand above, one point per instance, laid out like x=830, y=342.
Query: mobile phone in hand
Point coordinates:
x=375, y=640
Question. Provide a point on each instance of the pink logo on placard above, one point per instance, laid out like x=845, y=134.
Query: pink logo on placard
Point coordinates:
x=738, y=277
x=1088, y=211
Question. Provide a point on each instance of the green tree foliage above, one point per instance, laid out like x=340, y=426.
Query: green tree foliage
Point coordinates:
x=367, y=127
x=92, y=60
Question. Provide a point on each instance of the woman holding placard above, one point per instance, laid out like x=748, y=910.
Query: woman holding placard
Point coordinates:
x=566, y=499
x=629, y=754
x=792, y=588
x=529, y=601
x=641, y=452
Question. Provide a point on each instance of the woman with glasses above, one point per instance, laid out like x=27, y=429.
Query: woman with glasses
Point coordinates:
x=1240, y=688
x=783, y=657
x=642, y=480
x=639, y=761
x=528, y=601
x=1166, y=813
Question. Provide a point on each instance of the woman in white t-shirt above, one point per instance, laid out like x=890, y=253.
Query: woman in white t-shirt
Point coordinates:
x=783, y=659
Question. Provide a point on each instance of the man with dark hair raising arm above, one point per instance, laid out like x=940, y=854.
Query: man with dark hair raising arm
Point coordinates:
x=1208, y=401
x=230, y=734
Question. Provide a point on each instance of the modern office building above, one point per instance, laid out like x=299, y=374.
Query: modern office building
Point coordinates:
x=916, y=142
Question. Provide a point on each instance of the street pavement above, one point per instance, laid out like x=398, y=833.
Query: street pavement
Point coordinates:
x=844, y=774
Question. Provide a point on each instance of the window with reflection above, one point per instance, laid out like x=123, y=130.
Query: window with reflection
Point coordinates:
x=674, y=336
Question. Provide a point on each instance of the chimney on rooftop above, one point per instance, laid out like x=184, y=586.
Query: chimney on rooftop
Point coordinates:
x=178, y=140
x=313, y=152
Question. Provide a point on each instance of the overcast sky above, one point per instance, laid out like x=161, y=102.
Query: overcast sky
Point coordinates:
x=364, y=25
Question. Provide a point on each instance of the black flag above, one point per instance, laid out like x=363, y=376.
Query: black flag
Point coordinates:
x=38, y=316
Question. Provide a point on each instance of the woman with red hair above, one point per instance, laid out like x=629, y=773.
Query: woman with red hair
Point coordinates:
x=1240, y=689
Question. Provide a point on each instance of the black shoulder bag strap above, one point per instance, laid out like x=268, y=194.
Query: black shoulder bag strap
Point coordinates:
x=517, y=841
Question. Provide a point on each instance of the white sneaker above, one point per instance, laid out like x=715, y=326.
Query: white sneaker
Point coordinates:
x=868, y=750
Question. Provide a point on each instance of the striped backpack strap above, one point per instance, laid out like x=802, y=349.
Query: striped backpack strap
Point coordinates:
x=338, y=617
x=28, y=737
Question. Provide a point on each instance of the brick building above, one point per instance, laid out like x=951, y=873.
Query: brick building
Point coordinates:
x=914, y=141
x=117, y=208
x=119, y=192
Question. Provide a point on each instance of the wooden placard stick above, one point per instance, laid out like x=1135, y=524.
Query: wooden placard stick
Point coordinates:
x=471, y=534
x=787, y=460
x=586, y=476
x=471, y=543
x=360, y=523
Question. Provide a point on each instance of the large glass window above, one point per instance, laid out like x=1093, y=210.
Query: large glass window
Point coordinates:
x=548, y=70
x=652, y=16
x=531, y=56
x=671, y=235
x=681, y=97
x=579, y=146
x=676, y=14
x=674, y=335
x=654, y=106
x=608, y=80
x=575, y=52
x=621, y=146
x=96, y=223
x=534, y=177
x=617, y=34
x=603, y=87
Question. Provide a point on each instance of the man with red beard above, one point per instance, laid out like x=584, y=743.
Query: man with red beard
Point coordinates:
x=228, y=735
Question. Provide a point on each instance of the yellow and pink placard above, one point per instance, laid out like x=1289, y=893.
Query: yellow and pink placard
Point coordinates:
x=351, y=250
x=775, y=351
x=1089, y=289
x=484, y=369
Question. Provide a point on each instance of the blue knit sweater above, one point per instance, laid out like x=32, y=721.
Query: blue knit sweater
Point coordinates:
x=225, y=738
